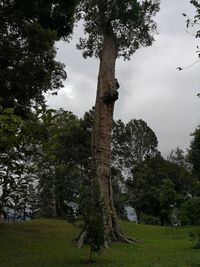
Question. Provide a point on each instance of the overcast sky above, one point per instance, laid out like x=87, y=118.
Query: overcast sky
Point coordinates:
x=151, y=88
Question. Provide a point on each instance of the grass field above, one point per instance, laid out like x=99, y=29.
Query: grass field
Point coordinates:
x=47, y=243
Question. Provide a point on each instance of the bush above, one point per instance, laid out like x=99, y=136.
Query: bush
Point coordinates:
x=195, y=237
x=148, y=219
x=190, y=212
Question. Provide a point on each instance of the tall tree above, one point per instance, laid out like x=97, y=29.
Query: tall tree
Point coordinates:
x=115, y=28
x=133, y=143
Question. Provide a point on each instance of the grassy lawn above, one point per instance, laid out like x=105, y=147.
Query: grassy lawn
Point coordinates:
x=47, y=243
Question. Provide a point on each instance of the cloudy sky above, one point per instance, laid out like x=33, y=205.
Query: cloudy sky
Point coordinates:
x=151, y=88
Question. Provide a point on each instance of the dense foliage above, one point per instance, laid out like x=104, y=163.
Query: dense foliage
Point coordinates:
x=131, y=23
x=194, y=153
x=28, y=32
x=45, y=166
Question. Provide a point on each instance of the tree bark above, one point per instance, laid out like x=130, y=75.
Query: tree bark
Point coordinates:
x=101, y=135
x=102, y=140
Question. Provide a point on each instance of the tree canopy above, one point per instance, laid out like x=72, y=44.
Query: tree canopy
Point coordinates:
x=28, y=32
x=129, y=21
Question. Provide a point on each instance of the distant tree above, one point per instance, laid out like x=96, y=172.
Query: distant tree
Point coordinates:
x=194, y=153
x=118, y=169
x=119, y=192
x=133, y=143
x=114, y=28
x=157, y=187
x=179, y=157
x=181, y=169
x=167, y=199
x=85, y=142
x=140, y=142
x=143, y=186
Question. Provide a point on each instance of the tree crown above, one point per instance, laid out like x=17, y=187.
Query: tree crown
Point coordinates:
x=129, y=22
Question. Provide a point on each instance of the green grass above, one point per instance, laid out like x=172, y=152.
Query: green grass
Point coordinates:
x=47, y=243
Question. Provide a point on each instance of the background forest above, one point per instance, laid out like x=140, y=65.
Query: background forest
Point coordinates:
x=45, y=162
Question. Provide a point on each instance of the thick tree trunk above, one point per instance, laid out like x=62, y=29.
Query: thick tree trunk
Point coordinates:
x=102, y=138
x=101, y=142
x=101, y=135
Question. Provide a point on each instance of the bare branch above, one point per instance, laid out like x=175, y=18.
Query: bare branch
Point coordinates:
x=187, y=67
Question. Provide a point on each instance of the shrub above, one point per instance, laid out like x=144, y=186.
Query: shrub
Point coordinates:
x=190, y=212
x=195, y=237
x=148, y=219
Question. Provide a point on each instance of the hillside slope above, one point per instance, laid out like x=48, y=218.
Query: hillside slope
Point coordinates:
x=47, y=243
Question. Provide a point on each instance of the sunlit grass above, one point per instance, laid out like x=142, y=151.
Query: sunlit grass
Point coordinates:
x=48, y=243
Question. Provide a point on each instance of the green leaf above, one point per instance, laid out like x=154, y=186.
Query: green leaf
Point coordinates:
x=8, y=111
x=16, y=118
x=3, y=117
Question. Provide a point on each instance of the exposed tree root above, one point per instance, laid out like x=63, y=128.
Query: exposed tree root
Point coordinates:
x=116, y=237
x=119, y=236
x=126, y=239
x=81, y=239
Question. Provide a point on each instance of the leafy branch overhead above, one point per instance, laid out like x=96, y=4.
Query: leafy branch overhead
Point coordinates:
x=28, y=32
x=190, y=23
x=193, y=23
